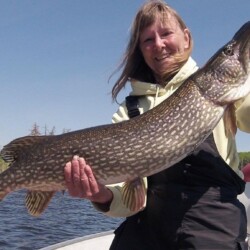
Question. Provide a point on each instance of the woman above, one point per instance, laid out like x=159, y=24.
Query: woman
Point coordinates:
x=193, y=204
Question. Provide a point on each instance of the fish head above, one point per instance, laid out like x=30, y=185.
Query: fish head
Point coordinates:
x=226, y=76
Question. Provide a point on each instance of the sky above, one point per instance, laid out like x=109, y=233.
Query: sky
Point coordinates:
x=57, y=56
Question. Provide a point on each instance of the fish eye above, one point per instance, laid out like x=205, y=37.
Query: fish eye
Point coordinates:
x=228, y=50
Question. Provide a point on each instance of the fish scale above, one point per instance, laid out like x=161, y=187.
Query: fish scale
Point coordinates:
x=139, y=147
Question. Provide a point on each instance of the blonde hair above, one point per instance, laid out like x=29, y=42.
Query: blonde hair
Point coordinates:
x=133, y=63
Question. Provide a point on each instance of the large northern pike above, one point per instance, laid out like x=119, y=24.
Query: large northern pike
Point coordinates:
x=141, y=146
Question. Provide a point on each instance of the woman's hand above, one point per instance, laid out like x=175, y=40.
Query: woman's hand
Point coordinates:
x=81, y=182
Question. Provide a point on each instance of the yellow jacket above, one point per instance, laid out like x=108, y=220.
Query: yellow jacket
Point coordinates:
x=154, y=94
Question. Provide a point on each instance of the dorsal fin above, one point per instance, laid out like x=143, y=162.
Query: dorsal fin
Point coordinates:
x=37, y=201
x=10, y=152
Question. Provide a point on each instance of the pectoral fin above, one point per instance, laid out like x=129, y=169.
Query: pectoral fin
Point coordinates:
x=230, y=121
x=134, y=194
x=37, y=202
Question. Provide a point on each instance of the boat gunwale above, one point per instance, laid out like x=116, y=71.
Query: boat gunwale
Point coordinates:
x=77, y=240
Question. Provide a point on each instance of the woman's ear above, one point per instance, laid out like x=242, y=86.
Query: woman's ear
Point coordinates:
x=187, y=38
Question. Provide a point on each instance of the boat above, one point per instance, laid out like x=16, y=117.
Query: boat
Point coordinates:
x=245, y=200
x=90, y=242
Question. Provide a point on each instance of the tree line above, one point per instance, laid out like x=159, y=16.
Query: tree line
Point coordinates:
x=244, y=158
x=36, y=131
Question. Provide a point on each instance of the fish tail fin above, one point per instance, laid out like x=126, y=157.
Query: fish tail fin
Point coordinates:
x=11, y=151
x=134, y=194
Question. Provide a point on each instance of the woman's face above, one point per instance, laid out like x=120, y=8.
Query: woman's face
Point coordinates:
x=159, y=43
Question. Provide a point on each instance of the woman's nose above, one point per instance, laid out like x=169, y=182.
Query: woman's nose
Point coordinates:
x=159, y=42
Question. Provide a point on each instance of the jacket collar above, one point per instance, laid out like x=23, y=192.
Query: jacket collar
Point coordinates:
x=146, y=88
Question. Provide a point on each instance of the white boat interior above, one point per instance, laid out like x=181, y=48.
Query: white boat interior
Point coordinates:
x=89, y=242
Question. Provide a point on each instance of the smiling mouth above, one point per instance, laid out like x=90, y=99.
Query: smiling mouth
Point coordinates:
x=161, y=58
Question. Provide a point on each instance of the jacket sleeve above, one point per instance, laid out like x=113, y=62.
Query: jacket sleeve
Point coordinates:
x=117, y=208
x=121, y=114
x=243, y=114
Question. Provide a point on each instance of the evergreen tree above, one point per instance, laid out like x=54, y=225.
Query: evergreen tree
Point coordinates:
x=35, y=130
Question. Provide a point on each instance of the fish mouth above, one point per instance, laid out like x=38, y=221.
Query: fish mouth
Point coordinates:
x=244, y=56
x=242, y=38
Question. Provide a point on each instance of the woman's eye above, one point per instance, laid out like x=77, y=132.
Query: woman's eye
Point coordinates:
x=165, y=34
x=149, y=39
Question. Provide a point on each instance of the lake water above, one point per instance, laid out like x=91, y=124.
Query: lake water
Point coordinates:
x=64, y=219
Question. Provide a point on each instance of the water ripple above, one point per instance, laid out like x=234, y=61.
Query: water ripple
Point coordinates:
x=64, y=219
